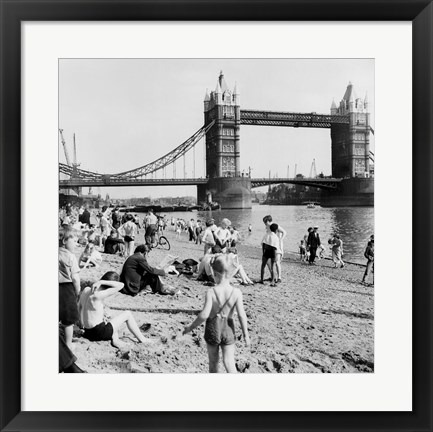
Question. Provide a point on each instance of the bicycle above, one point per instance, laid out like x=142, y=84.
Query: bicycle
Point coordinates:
x=160, y=241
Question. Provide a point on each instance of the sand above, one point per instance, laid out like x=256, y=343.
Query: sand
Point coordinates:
x=319, y=319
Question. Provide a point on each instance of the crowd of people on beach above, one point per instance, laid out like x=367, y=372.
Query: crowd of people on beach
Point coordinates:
x=108, y=231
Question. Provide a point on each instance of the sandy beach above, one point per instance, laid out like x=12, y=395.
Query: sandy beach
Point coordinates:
x=319, y=319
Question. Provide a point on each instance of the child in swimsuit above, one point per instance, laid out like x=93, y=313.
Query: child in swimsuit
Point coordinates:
x=91, y=309
x=220, y=303
x=90, y=257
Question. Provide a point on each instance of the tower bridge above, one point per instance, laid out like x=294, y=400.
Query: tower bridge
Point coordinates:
x=350, y=129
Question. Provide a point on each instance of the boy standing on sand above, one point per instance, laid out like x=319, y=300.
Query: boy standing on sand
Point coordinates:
x=281, y=234
x=270, y=247
x=129, y=231
x=302, y=250
x=91, y=307
x=69, y=283
x=220, y=303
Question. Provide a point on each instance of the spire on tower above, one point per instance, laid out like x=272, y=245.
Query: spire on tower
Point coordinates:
x=222, y=82
x=350, y=94
x=366, y=101
x=206, y=96
x=334, y=108
x=235, y=90
x=218, y=88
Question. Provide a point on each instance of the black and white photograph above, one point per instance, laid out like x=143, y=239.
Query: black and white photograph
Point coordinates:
x=216, y=215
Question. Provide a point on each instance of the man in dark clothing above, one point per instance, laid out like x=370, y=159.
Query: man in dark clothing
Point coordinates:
x=369, y=254
x=116, y=217
x=85, y=216
x=114, y=244
x=313, y=243
x=137, y=273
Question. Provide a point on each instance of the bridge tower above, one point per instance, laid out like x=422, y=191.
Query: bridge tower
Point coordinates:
x=351, y=143
x=226, y=184
x=350, y=146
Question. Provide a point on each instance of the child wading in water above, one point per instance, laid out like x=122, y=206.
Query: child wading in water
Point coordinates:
x=69, y=283
x=91, y=308
x=220, y=304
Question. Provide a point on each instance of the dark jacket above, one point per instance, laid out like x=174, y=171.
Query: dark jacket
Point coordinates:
x=313, y=240
x=85, y=217
x=135, y=267
x=111, y=245
x=369, y=252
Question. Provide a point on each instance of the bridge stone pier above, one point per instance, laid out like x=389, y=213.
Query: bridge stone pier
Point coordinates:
x=226, y=185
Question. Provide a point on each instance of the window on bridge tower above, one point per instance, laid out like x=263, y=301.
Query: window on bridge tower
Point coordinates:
x=228, y=132
x=359, y=150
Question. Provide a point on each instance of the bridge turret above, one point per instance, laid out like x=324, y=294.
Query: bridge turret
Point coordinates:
x=334, y=108
x=206, y=100
x=366, y=104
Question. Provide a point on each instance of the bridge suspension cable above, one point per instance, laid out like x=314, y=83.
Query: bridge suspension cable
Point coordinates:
x=144, y=170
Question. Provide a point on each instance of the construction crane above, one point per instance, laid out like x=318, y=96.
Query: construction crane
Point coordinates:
x=76, y=164
x=313, y=169
x=68, y=159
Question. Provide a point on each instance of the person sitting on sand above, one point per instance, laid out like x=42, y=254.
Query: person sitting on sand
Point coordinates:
x=235, y=237
x=222, y=236
x=114, y=244
x=220, y=303
x=270, y=248
x=90, y=257
x=205, y=271
x=208, y=237
x=137, y=274
x=91, y=309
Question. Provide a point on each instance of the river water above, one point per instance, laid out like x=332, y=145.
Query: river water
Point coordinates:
x=353, y=224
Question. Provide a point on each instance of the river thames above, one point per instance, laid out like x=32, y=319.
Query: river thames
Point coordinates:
x=353, y=224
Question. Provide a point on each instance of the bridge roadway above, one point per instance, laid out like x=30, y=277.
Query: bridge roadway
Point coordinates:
x=291, y=119
x=322, y=183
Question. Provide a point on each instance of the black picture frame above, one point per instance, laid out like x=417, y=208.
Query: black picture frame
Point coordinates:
x=13, y=12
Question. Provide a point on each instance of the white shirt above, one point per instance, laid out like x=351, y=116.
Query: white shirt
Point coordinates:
x=151, y=219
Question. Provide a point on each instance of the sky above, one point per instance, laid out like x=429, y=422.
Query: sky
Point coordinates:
x=126, y=113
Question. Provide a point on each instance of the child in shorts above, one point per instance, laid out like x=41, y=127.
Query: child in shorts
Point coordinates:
x=69, y=282
x=220, y=304
x=271, y=249
x=302, y=250
x=91, y=308
x=129, y=231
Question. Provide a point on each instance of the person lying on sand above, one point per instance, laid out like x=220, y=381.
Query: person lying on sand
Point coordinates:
x=90, y=257
x=220, y=303
x=91, y=310
x=205, y=270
